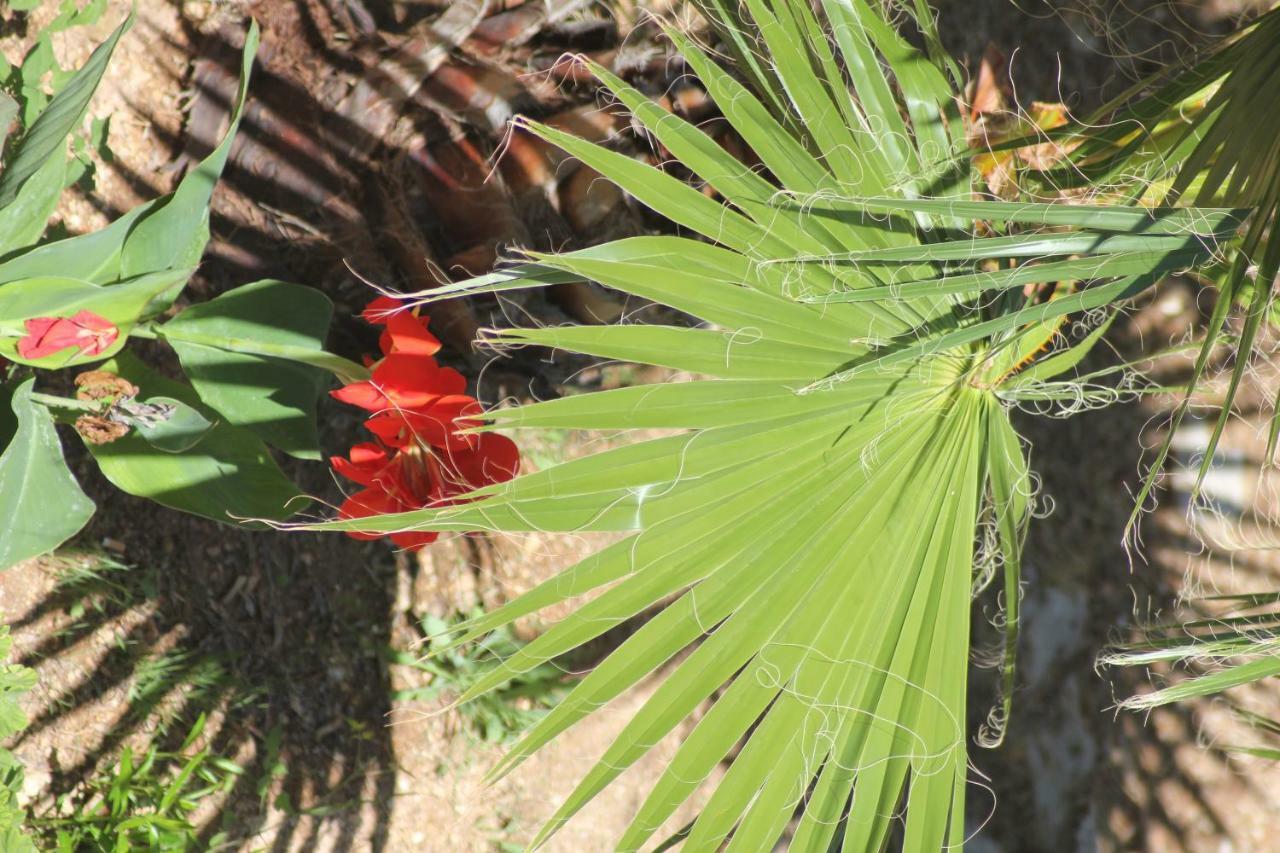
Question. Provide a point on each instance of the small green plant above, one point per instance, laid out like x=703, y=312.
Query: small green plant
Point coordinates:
x=253, y=356
x=14, y=681
x=198, y=680
x=498, y=717
x=91, y=584
x=143, y=802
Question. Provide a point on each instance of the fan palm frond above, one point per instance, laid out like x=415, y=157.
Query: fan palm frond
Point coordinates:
x=814, y=519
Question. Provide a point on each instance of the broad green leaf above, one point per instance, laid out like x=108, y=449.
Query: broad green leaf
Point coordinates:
x=228, y=476
x=46, y=138
x=8, y=112
x=254, y=354
x=93, y=256
x=40, y=501
x=176, y=238
x=174, y=233
x=23, y=220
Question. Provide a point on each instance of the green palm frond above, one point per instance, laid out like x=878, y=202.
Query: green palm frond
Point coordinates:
x=813, y=520
x=1207, y=133
x=1224, y=651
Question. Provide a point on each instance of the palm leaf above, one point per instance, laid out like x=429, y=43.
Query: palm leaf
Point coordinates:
x=1197, y=133
x=813, y=525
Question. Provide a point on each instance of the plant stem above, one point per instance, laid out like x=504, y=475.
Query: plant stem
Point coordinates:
x=66, y=402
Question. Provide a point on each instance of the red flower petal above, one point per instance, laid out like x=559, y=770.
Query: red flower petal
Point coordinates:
x=86, y=331
x=494, y=459
x=36, y=343
x=402, y=382
x=408, y=334
x=367, y=461
x=94, y=333
x=368, y=503
x=377, y=311
x=413, y=380
x=90, y=320
x=436, y=425
x=364, y=395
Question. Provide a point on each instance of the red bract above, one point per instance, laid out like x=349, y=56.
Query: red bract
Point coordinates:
x=86, y=331
x=423, y=458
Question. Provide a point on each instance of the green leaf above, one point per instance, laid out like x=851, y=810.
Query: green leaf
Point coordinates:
x=1060, y=363
x=1169, y=221
x=729, y=355
x=179, y=233
x=41, y=502
x=174, y=233
x=255, y=355
x=228, y=475
x=8, y=110
x=23, y=220
x=46, y=138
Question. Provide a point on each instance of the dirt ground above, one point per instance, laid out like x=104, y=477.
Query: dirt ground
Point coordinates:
x=284, y=639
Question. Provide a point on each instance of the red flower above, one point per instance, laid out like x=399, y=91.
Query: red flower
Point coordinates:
x=86, y=331
x=371, y=502
x=419, y=409
x=434, y=425
x=408, y=335
x=493, y=459
x=377, y=311
x=388, y=490
x=420, y=478
x=402, y=382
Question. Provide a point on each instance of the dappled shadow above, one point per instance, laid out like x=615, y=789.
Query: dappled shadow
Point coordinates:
x=363, y=156
x=266, y=633
x=386, y=157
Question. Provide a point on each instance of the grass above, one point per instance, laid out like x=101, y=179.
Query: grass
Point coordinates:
x=495, y=718
x=142, y=801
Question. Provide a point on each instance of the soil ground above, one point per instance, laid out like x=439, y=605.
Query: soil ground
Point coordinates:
x=284, y=639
